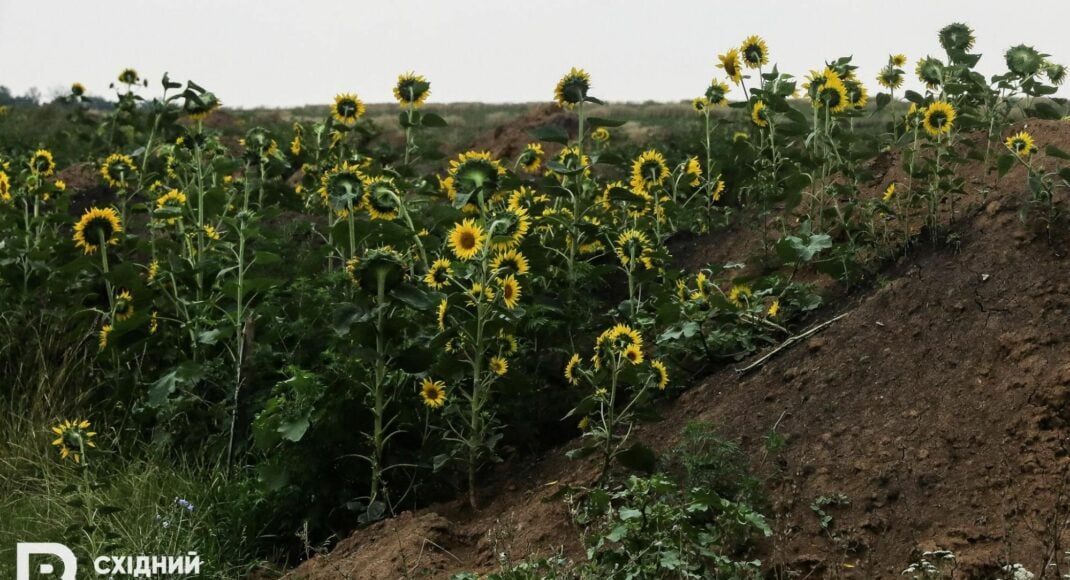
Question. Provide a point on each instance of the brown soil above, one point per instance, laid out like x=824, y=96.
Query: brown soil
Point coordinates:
x=508, y=140
x=939, y=406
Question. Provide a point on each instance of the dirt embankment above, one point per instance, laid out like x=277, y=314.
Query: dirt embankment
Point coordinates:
x=938, y=408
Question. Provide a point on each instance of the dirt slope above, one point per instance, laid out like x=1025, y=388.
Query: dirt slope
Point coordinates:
x=938, y=407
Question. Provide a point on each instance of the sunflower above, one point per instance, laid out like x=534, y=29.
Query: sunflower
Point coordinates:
x=152, y=271
x=956, y=37
x=154, y=323
x=1056, y=73
x=718, y=189
x=774, y=309
x=717, y=94
x=382, y=198
x=437, y=276
x=637, y=203
x=857, y=95
x=1024, y=60
x=77, y=89
x=41, y=163
x=105, y=332
x=931, y=72
x=693, y=169
x=96, y=224
x=433, y=392
x=116, y=169
x=663, y=374
x=570, y=159
x=129, y=76
x=172, y=202
x=634, y=244
x=939, y=118
x=342, y=185
x=890, y=78
x=198, y=107
x=5, y=187
x=648, y=170
x=517, y=224
x=898, y=59
x=570, y=370
x=888, y=193
x=1020, y=144
x=499, y=365
x=730, y=64
x=411, y=90
x=634, y=354
x=124, y=305
x=466, y=239
x=531, y=157
x=827, y=88
x=475, y=169
x=511, y=261
x=510, y=291
x=347, y=109
x=759, y=115
x=73, y=437
x=572, y=89
x=700, y=104
x=600, y=135
x=443, y=308
x=618, y=336
x=739, y=295
x=755, y=52
x=526, y=198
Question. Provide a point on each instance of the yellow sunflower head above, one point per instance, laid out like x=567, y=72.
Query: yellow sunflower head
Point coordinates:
x=41, y=163
x=117, y=170
x=531, y=157
x=474, y=170
x=717, y=190
x=890, y=77
x=342, y=186
x=510, y=261
x=129, y=76
x=939, y=118
x=898, y=59
x=857, y=95
x=693, y=170
x=411, y=90
x=510, y=291
x=600, y=135
x=662, y=374
x=572, y=89
x=700, y=104
x=1021, y=144
x=889, y=193
x=5, y=187
x=124, y=305
x=443, y=308
x=740, y=295
x=512, y=226
x=634, y=246
x=570, y=370
x=717, y=94
x=73, y=438
x=499, y=365
x=77, y=89
x=347, y=109
x=466, y=239
x=754, y=51
x=437, y=276
x=433, y=392
x=729, y=61
x=774, y=309
x=105, y=332
x=759, y=114
x=382, y=199
x=97, y=224
x=633, y=354
x=649, y=170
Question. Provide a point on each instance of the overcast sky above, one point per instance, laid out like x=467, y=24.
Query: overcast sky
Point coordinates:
x=276, y=53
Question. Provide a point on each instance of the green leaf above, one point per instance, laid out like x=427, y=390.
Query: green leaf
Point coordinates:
x=432, y=120
x=1004, y=164
x=627, y=513
x=1054, y=151
x=551, y=134
x=294, y=430
x=414, y=296
x=638, y=457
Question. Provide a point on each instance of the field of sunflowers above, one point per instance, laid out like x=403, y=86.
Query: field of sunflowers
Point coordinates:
x=249, y=347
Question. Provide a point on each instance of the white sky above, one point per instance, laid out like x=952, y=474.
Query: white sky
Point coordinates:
x=276, y=53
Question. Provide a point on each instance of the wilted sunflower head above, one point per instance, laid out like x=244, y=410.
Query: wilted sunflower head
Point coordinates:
x=1056, y=73
x=129, y=76
x=381, y=198
x=411, y=90
x=77, y=89
x=117, y=169
x=383, y=265
x=754, y=51
x=341, y=186
x=198, y=107
x=347, y=109
x=474, y=170
x=930, y=71
x=531, y=157
x=572, y=89
x=41, y=163
x=1023, y=60
x=939, y=118
x=890, y=77
x=649, y=170
x=73, y=438
x=1021, y=144
x=759, y=114
x=717, y=93
x=729, y=61
x=94, y=225
x=956, y=37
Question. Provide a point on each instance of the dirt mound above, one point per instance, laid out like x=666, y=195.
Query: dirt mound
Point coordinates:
x=508, y=140
x=935, y=414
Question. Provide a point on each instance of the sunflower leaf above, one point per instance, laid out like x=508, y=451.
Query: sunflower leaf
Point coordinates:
x=432, y=120
x=551, y=134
